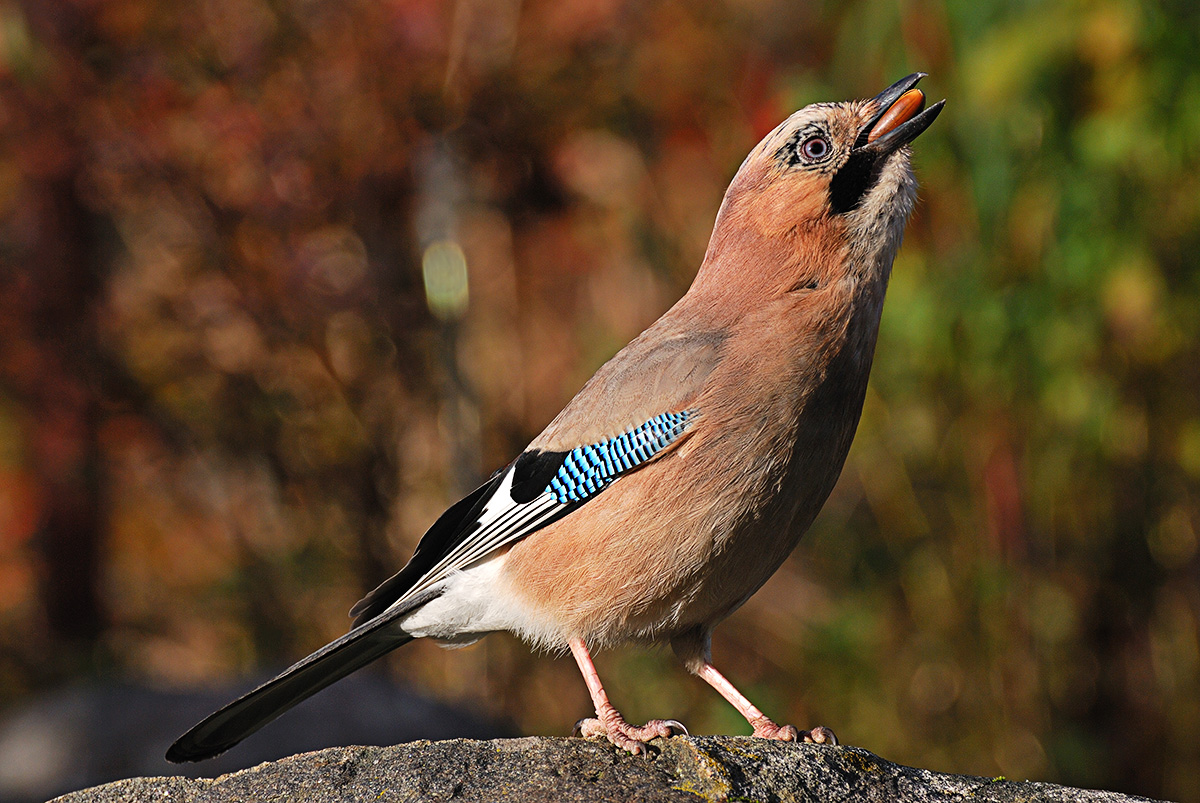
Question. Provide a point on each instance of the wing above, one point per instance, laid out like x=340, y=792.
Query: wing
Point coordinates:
x=664, y=368
x=538, y=488
x=644, y=393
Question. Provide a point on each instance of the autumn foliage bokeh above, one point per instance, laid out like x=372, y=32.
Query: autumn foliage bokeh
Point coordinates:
x=280, y=279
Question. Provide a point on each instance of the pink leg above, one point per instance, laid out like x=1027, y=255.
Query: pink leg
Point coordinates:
x=762, y=724
x=609, y=722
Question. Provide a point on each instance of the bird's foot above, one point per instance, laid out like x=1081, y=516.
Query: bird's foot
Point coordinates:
x=625, y=736
x=766, y=729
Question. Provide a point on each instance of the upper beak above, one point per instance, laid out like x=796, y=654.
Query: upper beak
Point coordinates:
x=899, y=118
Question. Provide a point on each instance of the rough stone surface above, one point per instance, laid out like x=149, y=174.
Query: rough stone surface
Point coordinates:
x=567, y=770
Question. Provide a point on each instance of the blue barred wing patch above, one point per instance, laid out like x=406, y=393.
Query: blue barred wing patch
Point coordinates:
x=587, y=470
x=516, y=502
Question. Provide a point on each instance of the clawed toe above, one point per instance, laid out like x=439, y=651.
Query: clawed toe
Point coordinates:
x=634, y=739
x=677, y=727
x=628, y=737
x=654, y=729
x=766, y=729
x=819, y=735
x=783, y=733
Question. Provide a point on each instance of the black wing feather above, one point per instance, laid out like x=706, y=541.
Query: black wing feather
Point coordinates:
x=532, y=473
x=451, y=529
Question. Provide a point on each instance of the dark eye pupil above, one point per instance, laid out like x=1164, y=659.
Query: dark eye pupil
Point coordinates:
x=815, y=148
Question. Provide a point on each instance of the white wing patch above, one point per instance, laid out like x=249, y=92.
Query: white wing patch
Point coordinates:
x=501, y=522
x=578, y=476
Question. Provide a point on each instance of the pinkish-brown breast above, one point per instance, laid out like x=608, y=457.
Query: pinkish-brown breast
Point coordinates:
x=686, y=539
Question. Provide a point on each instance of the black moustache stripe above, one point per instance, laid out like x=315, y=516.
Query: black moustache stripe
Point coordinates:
x=852, y=181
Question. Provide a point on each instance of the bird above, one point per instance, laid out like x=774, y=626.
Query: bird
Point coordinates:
x=685, y=471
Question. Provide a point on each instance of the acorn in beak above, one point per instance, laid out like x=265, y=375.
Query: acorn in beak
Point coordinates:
x=900, y=118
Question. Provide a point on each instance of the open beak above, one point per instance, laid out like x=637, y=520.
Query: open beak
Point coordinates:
x=899, y=118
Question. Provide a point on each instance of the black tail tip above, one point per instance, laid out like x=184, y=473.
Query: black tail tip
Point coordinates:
x=181, y=753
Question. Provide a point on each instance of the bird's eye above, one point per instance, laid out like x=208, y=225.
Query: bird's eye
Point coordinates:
x=814, y=149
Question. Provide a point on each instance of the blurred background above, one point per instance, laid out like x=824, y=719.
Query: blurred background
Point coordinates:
x=281, y=279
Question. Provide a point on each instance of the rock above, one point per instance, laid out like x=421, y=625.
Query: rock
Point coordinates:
x=709, y=768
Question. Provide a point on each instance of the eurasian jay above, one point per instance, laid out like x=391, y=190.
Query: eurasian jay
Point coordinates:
x=685, y=471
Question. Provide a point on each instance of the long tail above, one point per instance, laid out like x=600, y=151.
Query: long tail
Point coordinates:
x=228, y=726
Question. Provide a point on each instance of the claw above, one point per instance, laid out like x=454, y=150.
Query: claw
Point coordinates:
x=678, y=726
x=820, y=735
x=628, y=737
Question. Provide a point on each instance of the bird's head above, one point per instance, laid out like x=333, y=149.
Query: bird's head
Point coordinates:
x=832, y=178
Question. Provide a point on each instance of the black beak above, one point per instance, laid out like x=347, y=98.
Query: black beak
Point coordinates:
x=909, y=119
x=900, y=116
